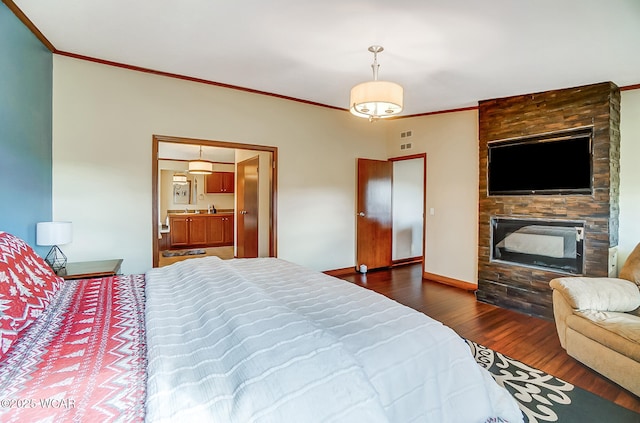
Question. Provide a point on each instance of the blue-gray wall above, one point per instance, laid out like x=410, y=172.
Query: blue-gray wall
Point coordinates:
x=26, y=68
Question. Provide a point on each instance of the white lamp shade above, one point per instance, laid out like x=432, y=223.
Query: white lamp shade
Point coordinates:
x=53, y=233
x=376, y=99
x=200, y=167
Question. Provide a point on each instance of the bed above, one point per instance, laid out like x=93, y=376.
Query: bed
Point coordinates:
x=238, y=340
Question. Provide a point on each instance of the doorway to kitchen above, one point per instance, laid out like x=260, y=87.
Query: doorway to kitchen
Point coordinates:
x=204, y=215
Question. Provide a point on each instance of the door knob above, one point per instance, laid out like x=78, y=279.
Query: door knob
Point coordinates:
x=361, y=214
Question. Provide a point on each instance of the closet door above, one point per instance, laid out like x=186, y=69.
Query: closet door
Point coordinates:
x=374, y=219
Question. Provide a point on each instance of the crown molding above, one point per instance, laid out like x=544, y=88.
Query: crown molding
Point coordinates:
x=27, y=22
x=40, y=36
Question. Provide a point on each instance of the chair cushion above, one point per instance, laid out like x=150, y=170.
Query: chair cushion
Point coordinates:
x=27, y=285
x=631, y=268
x=604, y=294
x=618, y=331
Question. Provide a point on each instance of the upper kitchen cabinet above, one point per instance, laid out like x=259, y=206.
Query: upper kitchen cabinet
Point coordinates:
x=220, y=183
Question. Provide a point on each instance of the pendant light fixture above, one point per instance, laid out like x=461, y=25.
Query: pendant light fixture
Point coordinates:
x=376, y=99
x=200, y=166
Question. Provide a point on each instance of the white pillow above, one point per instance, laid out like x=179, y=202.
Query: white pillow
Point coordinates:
x=604, y=294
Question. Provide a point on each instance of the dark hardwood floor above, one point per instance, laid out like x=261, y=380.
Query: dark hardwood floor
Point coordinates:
x=529, y=339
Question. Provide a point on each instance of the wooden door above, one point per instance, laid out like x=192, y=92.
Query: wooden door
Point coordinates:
x=374, y=217
x=247, y=208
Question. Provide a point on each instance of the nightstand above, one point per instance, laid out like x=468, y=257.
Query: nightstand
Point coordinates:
x=91, y=269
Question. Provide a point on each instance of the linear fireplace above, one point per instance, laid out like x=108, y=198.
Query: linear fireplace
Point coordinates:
x=556, y=245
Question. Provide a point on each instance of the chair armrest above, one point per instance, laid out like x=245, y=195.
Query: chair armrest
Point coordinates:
x=561, y=310
x=604, y=294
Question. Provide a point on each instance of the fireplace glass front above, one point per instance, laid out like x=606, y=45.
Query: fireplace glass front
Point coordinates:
x=555, y=245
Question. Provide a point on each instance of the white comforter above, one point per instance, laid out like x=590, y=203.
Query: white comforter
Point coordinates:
x=269, y=341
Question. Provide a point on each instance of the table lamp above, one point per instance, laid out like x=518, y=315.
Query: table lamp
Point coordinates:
x=54, y=233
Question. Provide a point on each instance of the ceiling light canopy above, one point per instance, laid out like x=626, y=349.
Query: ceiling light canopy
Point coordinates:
x=200, y=167
x=376, y=99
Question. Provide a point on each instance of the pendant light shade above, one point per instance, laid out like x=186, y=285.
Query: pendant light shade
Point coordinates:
x=376, y=99
x=200, y=167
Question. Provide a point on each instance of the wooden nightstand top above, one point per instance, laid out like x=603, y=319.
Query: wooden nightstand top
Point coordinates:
x=91, y=269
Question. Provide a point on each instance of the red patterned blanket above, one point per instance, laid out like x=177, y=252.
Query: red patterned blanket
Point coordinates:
x=83, y=359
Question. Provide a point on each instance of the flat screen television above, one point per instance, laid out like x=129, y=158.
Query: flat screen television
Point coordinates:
x=558, y=164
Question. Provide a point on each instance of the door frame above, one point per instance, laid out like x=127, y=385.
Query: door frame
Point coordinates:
x=273, y=174
x=422, y=156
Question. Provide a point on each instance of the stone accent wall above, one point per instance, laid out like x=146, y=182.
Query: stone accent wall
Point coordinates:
x=526, y=289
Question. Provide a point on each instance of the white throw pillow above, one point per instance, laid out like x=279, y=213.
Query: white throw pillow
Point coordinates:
x=605, y=294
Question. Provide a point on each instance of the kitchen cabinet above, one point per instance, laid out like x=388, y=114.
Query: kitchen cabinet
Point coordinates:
x=228, y=230
x=220, y=183
x=220, y=230
x=198, y=231
x=179, y=231
x=201, y=230
x=188, y=231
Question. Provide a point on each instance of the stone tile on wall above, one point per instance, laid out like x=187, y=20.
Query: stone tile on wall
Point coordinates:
x=595, y=106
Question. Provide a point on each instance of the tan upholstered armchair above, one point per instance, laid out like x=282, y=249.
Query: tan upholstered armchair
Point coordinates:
x=598, y=322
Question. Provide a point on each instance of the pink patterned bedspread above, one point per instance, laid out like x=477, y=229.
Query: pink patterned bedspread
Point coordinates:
x=83, y=359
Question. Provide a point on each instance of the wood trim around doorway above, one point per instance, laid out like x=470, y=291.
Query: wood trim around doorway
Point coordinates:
x=156, y=139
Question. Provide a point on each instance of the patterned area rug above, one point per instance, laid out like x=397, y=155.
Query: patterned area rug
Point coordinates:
x=168, y=253
x=545, y=398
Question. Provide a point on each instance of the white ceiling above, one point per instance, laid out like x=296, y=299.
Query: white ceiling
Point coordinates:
x=447, y=54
